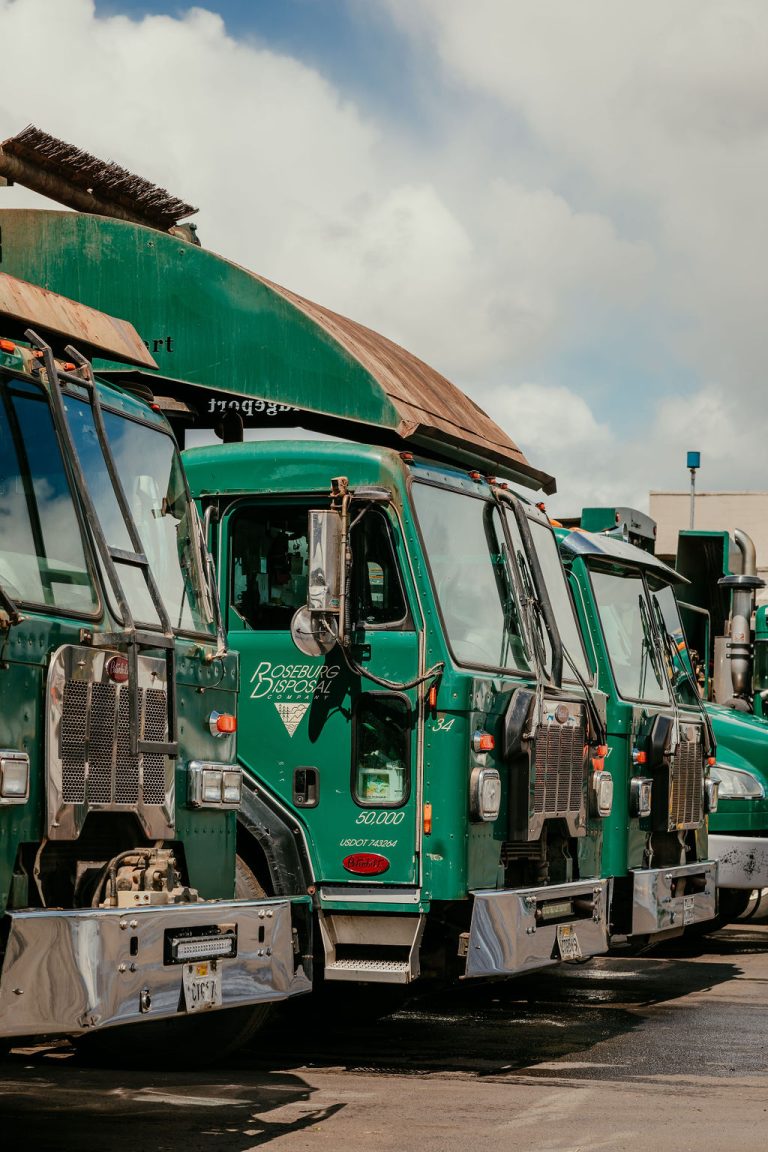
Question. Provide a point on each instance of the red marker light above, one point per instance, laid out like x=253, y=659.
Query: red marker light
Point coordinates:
x=366, y=863
x=639, y=757
x=7, y=346
x=406, y=457
x=427, y=819
x=475, y=475
x=432, y=696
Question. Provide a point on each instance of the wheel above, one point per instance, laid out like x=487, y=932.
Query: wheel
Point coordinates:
x=192, y=1041
x=732, y=903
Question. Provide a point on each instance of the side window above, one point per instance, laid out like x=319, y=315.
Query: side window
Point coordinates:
x=268, y=567
x=381, y=750
x=378, y=593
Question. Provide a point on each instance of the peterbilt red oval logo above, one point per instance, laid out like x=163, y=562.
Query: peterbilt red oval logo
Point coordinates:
x=366, y=863
x=117, y=669
x=562, y=713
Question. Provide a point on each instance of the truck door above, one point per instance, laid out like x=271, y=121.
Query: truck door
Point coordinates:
x=341, y=751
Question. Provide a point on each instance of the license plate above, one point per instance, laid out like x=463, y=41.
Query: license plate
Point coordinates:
x=201, y=984
x=568, y=942
x=689, y=909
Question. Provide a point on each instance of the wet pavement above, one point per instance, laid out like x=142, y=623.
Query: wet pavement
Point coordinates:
x=668, y=1049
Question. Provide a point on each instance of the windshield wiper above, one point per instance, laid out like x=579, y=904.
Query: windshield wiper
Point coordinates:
x=650, y=653
x=678, y=662
x=9, y=613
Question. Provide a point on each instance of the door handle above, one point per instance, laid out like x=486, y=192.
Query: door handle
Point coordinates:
x=306, y=787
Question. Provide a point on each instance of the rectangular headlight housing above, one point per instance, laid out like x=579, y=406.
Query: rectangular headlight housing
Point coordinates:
x=14, y=777
x=640, y=796
x=214, y=785
x=602, y=793
x=484, y=794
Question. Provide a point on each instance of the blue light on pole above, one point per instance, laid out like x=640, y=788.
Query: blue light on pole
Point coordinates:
x=693, y=462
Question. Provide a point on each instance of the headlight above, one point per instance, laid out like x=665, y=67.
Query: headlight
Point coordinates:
x=640, y=796
x=484, y=794
x=711, y=794
x=602, y=793
x=735, y=784
x=14, y=777
x=213, y=785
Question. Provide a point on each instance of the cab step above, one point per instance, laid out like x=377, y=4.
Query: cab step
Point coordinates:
x=382, y=949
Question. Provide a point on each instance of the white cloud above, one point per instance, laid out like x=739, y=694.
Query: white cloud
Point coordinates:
x=468, y=271
x=599, y=169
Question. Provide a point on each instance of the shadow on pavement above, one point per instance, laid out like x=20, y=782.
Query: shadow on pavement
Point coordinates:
x=51, y=1104
x=502, y=1027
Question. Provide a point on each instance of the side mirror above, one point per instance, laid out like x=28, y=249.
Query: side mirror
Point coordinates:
x=315, y=627
x=324, y=548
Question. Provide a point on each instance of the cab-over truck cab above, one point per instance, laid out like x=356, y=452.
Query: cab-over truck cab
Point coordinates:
x=419, y=739
x=660, y=742
x=118, y=772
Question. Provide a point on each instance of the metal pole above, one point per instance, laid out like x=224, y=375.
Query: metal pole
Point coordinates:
x=693, y=461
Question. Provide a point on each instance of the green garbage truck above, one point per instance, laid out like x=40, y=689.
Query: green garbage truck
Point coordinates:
x=718, y=645
x=421, y=744
x=660, y=739
x=727, y=641
x=119, y=781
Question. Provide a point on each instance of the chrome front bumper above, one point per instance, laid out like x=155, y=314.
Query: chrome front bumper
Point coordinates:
x=73, y=971
x=656, y=905
x=507, y=937
x=742, y=861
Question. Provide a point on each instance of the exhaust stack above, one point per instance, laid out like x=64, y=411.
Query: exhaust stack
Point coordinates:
x=740, y=647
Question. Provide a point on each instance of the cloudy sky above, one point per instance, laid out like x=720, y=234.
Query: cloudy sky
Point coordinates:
x=560, y=204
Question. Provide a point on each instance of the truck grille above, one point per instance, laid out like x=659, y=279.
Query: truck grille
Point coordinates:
x=95, y=741
x=685, y=801
x=558, y=767
x=89, y=760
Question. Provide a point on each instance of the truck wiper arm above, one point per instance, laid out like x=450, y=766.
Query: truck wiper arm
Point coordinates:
x=9, y=612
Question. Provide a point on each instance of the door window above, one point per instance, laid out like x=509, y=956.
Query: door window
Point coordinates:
x=268, y=569
x=381, y=750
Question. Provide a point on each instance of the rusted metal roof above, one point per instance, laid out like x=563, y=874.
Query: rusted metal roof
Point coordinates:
x=79, y=180
x=429, y=406
x=24, y=305
x=247, y=346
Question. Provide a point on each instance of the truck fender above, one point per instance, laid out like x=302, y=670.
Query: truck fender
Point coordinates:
x=279, y=839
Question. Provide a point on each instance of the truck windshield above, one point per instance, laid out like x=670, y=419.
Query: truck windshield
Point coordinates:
x=148, y=464
x=630, y=636
x=560, y=597
x=42, y=553
x=472, y=574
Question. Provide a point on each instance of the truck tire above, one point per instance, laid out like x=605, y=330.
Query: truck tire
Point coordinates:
x=732, y=903
x=194, y=1041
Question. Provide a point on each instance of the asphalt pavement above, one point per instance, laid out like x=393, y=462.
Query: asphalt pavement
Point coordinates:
x=667, y=1050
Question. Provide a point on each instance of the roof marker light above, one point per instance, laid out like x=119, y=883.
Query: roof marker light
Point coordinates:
x=7, y=346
